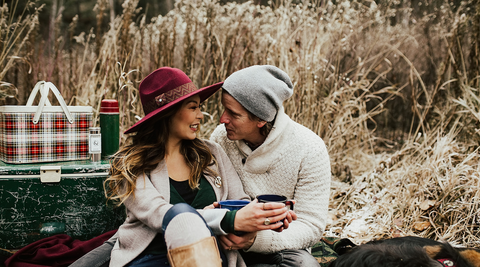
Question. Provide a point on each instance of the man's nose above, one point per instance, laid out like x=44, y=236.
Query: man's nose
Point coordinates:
x=224, y=118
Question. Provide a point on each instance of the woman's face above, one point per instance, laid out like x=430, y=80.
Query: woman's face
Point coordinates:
x=185, y=123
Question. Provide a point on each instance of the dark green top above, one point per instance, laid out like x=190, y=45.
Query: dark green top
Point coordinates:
x=180, y=192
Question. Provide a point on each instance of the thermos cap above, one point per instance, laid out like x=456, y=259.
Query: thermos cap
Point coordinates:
x=109, y=106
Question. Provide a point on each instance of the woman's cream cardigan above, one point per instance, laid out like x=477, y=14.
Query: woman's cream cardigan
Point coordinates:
x=152, y=200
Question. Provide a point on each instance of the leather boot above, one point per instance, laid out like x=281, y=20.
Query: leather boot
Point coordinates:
x=202, y=253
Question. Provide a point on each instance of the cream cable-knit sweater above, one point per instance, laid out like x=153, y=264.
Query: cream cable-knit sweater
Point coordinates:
x=293, y=161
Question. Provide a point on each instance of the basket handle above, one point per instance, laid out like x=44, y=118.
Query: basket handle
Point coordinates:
x=33, y=94
x=46, y=87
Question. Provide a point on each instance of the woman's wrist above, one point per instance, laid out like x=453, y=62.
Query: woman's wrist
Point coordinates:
x=228, y=222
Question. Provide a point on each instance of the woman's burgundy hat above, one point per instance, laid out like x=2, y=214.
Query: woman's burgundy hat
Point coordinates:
x=164, y=88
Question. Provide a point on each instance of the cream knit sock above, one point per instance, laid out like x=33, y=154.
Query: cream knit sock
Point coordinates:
x=185, y=229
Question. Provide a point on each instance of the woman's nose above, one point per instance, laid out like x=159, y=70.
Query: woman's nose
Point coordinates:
x=200, y=114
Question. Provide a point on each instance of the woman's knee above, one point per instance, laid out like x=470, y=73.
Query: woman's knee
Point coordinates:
x=299, y=257
x=176, y=210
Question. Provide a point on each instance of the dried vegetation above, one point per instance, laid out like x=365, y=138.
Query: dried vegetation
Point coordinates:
x=391, y=86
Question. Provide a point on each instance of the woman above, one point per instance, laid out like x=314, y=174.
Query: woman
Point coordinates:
x=165, y=164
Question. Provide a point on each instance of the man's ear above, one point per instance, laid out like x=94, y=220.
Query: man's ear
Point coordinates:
x=261, y=123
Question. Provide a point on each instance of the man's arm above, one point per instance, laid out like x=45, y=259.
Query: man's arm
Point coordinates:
x=312, y=193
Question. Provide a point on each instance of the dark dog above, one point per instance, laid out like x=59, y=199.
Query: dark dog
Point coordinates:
x=408, y=251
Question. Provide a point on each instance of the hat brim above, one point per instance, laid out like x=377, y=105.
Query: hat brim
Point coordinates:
x=204, y=93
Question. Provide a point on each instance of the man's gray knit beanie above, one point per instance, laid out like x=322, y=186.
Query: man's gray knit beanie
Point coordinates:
x=260, y=89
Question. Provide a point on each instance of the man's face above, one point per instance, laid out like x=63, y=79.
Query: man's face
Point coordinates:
x=237, y=122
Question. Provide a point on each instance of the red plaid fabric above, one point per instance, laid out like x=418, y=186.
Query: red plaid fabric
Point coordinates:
x=53, y=138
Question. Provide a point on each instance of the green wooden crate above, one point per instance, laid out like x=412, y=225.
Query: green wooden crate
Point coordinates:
x=40, y=200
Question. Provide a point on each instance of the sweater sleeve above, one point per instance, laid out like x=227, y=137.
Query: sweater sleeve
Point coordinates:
x=312, y=192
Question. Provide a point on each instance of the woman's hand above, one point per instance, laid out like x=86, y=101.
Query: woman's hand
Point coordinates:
x=211, y=206
x=261, y=216
x=234, y=242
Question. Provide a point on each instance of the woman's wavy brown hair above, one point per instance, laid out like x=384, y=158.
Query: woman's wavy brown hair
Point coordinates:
x=142, y=153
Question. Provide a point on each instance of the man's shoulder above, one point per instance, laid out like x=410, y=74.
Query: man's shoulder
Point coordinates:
x=219, y=136
x=219, y=132
x=210, y=144
x=215, y=148
x=304, y=135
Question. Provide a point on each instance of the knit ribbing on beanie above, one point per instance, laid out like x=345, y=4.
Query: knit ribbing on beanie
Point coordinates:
x=260, y=89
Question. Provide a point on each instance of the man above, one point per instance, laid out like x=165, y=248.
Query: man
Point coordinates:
x=272, y=154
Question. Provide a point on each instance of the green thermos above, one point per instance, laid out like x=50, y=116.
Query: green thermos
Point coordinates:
x=109, y=123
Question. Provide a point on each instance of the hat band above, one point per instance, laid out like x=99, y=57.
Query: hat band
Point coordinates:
x=169, y=96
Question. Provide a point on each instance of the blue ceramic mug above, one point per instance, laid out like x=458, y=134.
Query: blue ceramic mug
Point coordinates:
x=233, y=204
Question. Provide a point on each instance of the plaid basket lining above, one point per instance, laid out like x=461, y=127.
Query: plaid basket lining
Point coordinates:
x=52, y=139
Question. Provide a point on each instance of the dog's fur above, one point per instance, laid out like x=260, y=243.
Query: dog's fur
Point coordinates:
x=407, y=252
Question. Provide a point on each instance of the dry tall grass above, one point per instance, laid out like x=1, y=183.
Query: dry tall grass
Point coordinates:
x=392, y=91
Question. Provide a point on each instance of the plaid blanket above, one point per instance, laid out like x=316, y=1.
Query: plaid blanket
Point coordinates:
x=325, y=251
x=55, y=251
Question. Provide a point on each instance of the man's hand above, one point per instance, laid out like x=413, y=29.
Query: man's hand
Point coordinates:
x=233, y=242
x=291, y=216
x=260, y=216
